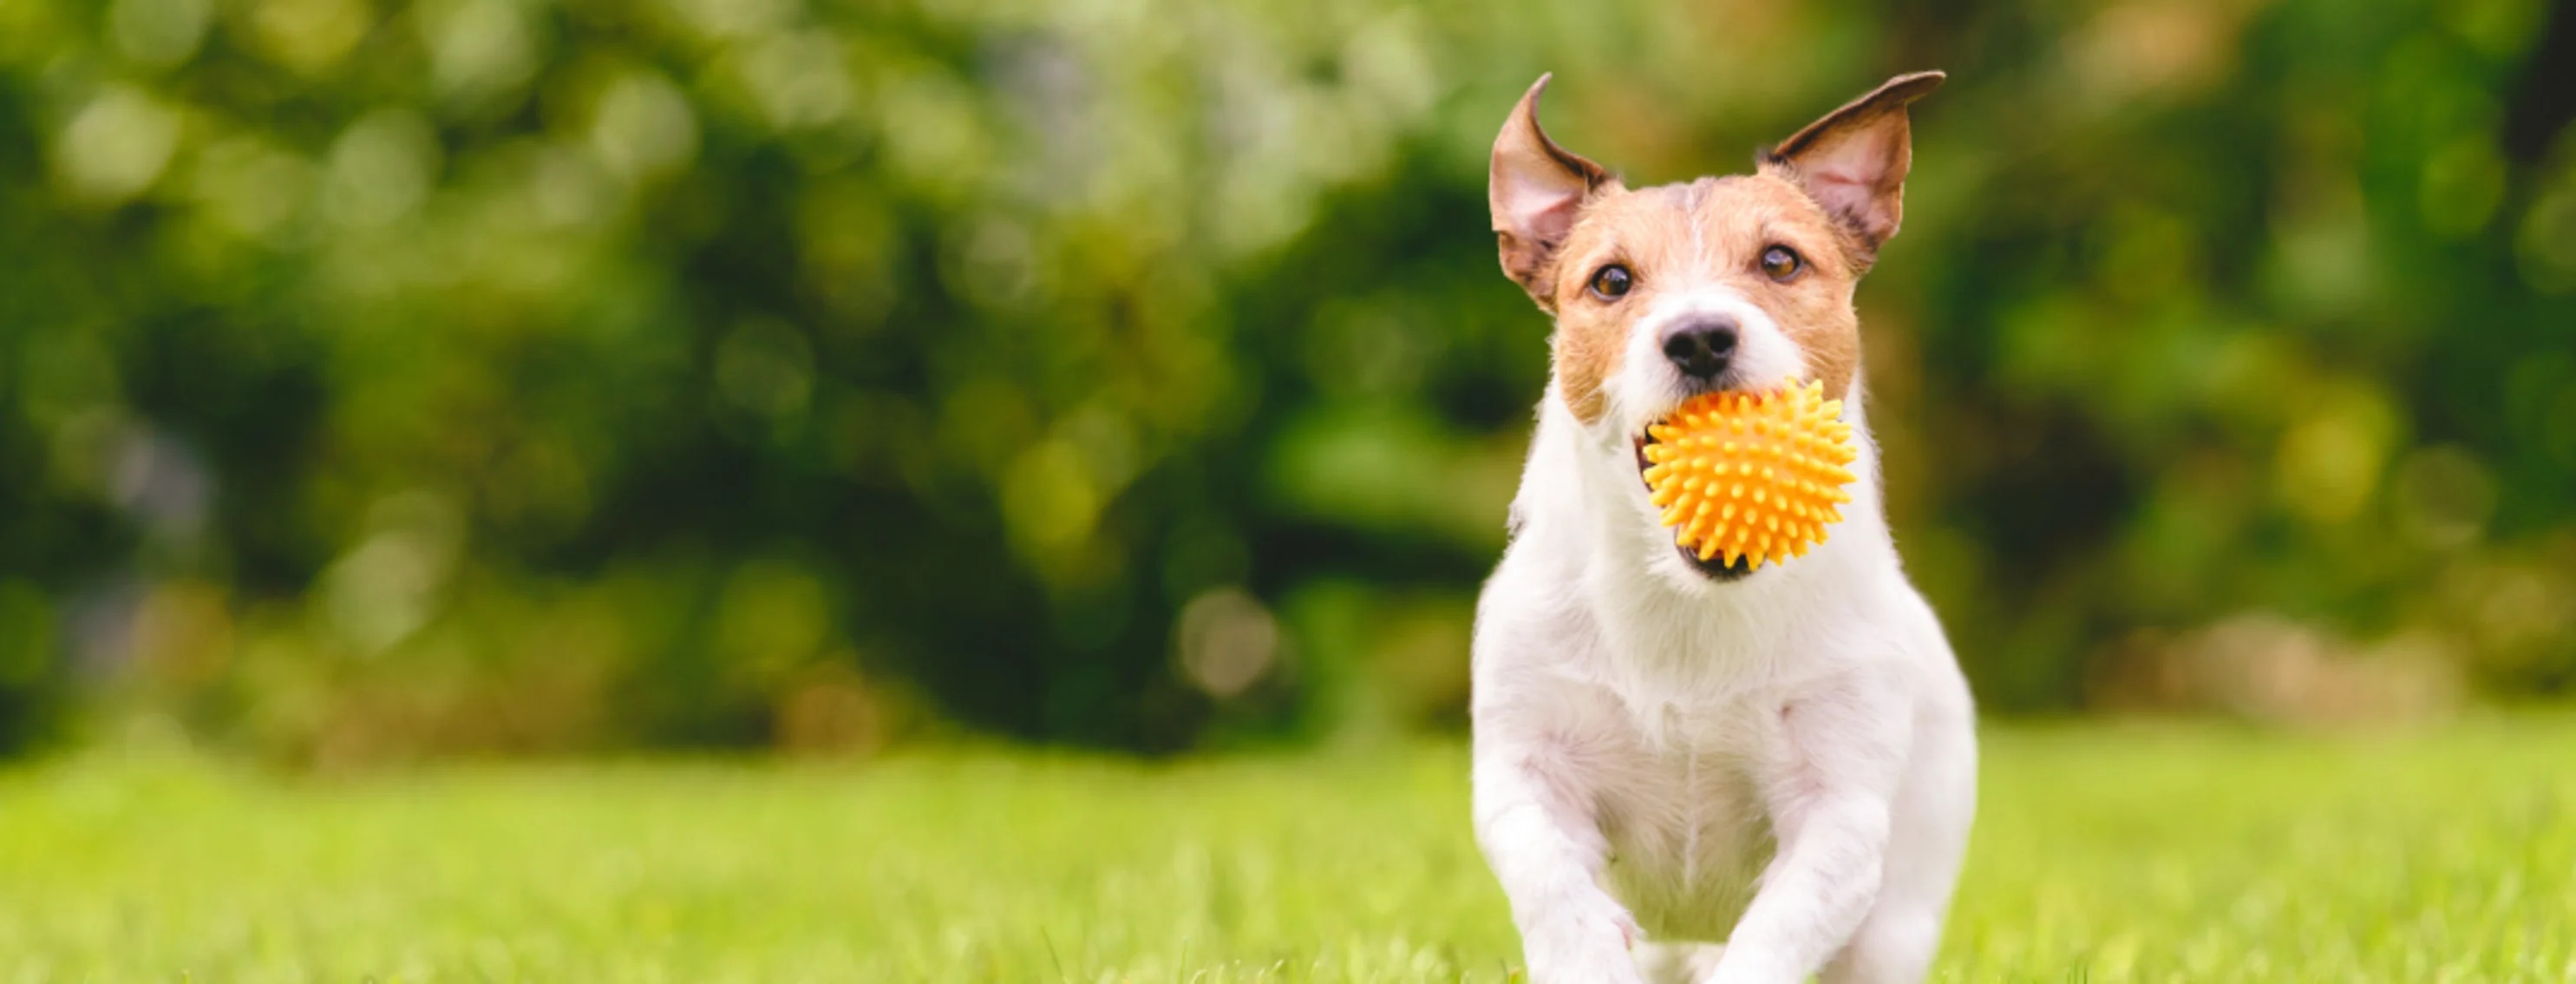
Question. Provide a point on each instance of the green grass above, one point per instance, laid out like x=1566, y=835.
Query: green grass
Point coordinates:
x=2167, y=853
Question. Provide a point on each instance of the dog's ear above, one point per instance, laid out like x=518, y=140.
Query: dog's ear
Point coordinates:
x=1853, y=162
x=1536, y=190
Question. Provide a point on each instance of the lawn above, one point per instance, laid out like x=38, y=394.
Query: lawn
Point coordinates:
x=2105, y=853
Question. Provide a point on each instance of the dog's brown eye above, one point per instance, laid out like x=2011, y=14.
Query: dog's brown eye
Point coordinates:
x=1611, y=281
x=1781, y=263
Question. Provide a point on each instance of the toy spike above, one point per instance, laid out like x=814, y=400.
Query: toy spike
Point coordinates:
x=1752, y=476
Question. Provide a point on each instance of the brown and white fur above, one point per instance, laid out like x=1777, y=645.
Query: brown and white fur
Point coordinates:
x=1686, y=771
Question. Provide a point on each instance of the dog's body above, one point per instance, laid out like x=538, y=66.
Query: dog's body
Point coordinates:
x=1673, y=753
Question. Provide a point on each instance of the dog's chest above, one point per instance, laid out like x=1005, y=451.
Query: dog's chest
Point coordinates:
x=1686, y=820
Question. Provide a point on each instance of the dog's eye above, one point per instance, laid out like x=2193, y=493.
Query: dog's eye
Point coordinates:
x=1612, y=281
x=1781, y=263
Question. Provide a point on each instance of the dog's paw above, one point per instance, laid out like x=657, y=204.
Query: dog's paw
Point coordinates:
x=1589, y=946
x=1745, y=966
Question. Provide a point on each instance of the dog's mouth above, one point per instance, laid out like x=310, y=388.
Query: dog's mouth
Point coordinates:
x=1714, y=568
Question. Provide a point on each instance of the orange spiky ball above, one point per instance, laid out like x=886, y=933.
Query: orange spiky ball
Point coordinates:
x=1752, y=475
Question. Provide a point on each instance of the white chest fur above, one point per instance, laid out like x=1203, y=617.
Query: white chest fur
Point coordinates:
x=1690, y=835
x=1636, y=719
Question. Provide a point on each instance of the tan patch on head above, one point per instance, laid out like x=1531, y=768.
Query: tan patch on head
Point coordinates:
x=1711, y=232
x=1630, y=228
x=1814, y=308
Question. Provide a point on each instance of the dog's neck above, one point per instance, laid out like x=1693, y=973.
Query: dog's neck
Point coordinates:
x=1671, y=630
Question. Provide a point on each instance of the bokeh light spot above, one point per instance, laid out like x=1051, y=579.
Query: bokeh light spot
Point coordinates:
x=116, y=146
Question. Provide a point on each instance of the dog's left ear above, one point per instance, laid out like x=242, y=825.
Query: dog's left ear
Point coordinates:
x=1853, y=162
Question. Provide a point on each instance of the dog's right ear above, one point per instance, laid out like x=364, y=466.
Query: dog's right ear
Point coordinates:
x=1853, y=162
x=1536, y=190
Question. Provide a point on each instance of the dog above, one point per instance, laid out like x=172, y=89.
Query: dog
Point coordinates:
x=1691, y=770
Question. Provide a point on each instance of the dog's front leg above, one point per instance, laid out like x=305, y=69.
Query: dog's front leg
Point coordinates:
x=1831, y=814
x=1547, y=851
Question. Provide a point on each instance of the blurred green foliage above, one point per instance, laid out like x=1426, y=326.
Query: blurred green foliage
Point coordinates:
x=486, y=375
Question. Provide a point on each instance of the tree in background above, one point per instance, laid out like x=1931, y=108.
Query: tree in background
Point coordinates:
x=379, y=379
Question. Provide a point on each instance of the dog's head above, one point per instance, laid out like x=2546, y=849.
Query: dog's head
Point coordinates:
x=1735, y=283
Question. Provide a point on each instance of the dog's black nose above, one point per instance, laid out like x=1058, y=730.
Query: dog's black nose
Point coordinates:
x=1699, y=346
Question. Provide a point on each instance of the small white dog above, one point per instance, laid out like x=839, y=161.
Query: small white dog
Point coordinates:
x=1688, y=770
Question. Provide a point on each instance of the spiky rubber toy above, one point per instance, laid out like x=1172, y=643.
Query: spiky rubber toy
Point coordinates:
x=1751, y=475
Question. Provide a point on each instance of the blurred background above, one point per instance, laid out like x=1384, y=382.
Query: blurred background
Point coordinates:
x=386, y=380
